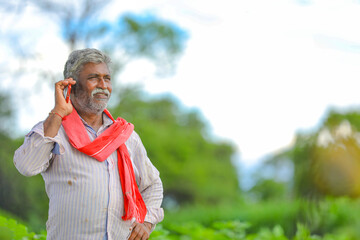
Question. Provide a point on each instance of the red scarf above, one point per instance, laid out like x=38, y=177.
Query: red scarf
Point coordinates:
x=101, y=148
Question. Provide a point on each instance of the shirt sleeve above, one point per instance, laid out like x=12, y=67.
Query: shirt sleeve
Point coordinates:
x=150, y=185
x=35, y=154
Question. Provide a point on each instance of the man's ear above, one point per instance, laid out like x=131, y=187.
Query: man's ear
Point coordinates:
x=74, y=87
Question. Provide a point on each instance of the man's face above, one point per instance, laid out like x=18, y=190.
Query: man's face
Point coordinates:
x=93, y=88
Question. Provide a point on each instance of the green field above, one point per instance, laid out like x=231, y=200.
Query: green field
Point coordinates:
x=330, y=219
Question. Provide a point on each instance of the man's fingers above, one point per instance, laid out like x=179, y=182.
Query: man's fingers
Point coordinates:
x=61, y=85
x=64, y=83
x=139, y=231
x=61, y=106
x=148, y=226
x=71, y=81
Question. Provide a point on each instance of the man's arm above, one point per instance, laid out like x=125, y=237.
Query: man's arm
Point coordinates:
x=151, y=189
x=152, y=196
x=34, y=155
x=150, y=185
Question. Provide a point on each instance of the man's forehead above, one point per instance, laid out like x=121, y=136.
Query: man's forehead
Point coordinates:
x=94, y=68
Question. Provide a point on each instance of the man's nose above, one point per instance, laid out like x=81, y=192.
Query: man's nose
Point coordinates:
x=102, y=83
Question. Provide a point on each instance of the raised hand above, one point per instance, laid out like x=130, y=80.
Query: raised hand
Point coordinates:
x=61, y=106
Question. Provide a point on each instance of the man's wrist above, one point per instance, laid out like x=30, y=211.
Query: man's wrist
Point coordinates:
x=60, y=111
x=57, y=114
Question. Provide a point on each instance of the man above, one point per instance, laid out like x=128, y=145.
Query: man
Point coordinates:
x=99, y=180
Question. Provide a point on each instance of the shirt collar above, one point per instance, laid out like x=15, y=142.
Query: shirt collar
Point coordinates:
x=106, y=122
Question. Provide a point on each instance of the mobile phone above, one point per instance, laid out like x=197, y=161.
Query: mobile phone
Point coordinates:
x=68, y=93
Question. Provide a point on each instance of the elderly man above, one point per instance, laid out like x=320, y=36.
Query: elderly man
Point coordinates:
x=99, y=180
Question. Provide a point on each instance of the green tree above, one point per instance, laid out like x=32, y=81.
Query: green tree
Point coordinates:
x=6, y=114
x=193, y=167
x=327, y=160
x=24, y=197
x=268, y=189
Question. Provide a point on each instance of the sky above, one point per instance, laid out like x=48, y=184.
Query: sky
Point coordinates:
x=259, y=71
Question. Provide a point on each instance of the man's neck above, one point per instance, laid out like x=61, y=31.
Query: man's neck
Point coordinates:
x=94, y=120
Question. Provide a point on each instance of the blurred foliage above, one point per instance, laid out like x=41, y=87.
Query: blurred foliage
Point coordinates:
x=268, y=189
x=329, y=216
x=6, y=113
x=326, y=162
x=24, y=197
x=337, y=227
x=147, y=36
x=193, y=167
x=325, y=165
x=10, y=229
x=259, y=214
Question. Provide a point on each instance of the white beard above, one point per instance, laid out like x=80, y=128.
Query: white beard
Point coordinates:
x=88, y=104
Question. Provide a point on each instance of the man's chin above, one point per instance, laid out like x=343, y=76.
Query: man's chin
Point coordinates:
x=100, y=109
x=92, y=105
x=97, y=108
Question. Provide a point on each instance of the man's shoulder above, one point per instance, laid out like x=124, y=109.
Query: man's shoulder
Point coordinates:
x=37, y=128
x=134, y=140
x=134, y=136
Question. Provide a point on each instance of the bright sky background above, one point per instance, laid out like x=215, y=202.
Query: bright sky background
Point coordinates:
x=258, y=70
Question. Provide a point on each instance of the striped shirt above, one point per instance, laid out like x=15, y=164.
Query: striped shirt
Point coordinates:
x=85, y=196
